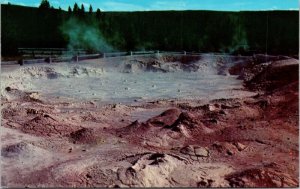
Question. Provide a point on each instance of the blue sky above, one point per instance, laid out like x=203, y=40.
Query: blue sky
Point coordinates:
x=140, y=5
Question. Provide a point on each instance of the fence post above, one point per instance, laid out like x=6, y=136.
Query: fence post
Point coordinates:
x=157, y=52
x=184, y=52
x=21, y=62
x=130, y=53
x=104, y=55
x=50, y=60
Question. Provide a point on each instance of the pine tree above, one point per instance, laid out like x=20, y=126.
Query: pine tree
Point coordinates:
x=75, y=8
x=91, y=9
x=69, y=10
x=98, y=13
x=44, y=4
x=82, y=8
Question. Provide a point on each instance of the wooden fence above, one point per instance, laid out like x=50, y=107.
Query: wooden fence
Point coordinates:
x=55, y=55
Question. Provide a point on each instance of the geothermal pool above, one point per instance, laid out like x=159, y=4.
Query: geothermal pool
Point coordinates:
x=120, y=87
x=127, y=81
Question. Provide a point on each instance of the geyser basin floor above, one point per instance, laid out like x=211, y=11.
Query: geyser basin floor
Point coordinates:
x=74, y=141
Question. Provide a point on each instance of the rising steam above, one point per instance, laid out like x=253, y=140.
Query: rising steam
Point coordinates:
x=239, y=38
x=85, y=36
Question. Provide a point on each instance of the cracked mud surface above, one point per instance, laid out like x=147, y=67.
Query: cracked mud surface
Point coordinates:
x=247, y=138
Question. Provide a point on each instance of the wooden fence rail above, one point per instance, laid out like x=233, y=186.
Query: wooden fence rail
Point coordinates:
x=63, y=55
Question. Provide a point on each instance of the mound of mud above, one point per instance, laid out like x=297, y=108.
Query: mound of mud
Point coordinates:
x=274, y=75
x=56, y=71
x=182, y=122
x=182, y=59
x=149, y=170
x=255, y=63
x=209, y=64
x=165, y=119
x=14, y=150
x=21, y=79
x=22, y=150
x=185, y=120
x=172, y=127
x=264, y=177
x=157, y=66
x=83, y=136
x=267, y=73
x=132, y=129
x=11, y=93
x=46, y=125
x=37, y=72
x=162, y=121
x=159, y=169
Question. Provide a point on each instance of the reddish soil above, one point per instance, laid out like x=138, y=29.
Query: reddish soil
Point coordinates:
x=235, y=142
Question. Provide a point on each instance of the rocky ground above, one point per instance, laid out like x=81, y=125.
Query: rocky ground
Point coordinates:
x=248, y=141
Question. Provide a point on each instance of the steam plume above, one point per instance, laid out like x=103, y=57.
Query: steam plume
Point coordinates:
x=83, y=35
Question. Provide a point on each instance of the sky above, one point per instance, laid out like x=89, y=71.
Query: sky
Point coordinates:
x=146, y=5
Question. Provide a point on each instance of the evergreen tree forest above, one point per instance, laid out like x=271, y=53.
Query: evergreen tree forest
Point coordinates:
x=276, y=32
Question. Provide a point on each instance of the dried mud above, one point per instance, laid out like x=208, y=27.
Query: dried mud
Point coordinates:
x=241, y=141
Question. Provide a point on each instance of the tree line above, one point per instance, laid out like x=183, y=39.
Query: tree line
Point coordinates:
x=45, y=4
x=274, y=32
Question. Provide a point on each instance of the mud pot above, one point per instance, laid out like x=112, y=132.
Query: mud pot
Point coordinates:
x=151, y=121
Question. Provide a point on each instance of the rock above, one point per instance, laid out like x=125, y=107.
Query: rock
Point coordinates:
x=229, y=152
x=212, y=107
x=201, y=152
x=34, y=96
x=32, y=111
x=183, y=130
x=14, y=149
x=219, y=147
x=222, y=112
x=224, y=106
x=118, y=106
x=263, y=103
x=195, y=151
x=8, y=89
x=213, y=121
x=239, y=146
x=188, y=150
x=205, y=183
